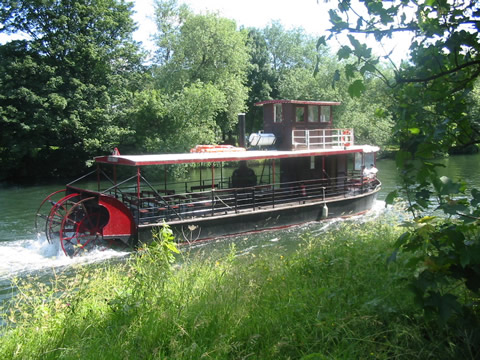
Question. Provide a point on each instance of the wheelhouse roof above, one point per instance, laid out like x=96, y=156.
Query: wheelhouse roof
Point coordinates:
x=186, y=158
x=300, y=102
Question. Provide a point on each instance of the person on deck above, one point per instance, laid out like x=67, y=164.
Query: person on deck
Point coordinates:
x=371, y=172
x=243, y=176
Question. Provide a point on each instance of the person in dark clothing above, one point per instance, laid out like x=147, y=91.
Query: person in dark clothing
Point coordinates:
x=243, y=176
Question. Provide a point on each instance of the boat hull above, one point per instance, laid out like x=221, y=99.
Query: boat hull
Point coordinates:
x=190, y=230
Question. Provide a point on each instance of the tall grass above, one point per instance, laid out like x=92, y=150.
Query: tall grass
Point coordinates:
x=334, y=298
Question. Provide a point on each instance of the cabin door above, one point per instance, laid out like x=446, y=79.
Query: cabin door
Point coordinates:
x=336, y=168
x=341, y=167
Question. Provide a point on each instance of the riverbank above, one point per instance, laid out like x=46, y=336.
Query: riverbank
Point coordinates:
x=335, y=297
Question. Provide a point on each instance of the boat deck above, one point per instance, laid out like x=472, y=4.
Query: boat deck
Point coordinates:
x=153, y=208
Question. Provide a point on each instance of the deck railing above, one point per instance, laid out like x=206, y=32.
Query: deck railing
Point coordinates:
x=150, y=208
x=153, y=203
x=322, y=138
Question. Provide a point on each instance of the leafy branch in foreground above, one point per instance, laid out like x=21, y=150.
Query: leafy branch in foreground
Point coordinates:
x=446, y=249
x=445, y=37
x=433, y=101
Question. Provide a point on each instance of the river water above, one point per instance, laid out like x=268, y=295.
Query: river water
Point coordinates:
x=21, y=253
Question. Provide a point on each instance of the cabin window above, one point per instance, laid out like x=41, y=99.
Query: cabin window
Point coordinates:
x=358, y=162
x=369, y=159
x=325, y=114
x=300, y=114
x=312, y=113
x=277, y=113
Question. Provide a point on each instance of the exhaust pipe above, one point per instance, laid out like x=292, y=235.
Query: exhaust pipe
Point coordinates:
x=241, y=130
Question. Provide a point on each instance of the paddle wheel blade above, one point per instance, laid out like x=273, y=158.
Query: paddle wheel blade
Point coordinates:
x=81, y=227
x=43, y=211
x=51, y=212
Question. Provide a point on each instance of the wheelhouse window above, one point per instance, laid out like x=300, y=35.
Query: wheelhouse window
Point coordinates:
x=313, y=113
x=369, y=159
x=277, y=113
x=299, y=114
x=325, y=114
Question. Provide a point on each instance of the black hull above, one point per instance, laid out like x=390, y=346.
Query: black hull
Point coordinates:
x=272, y=218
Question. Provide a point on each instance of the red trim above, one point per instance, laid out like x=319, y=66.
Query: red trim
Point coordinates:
x=301, y=102
x=275, y=228
x=120, y=221
x=273, y=172
x=143, y=160
x=213, y=176
x=138, y=182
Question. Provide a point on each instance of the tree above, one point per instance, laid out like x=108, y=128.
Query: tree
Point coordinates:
x=444, y=59
x=278, y=56
x=261, y=80
x=433, y=92
x=210, y=50
x=62, y=87
x=169, y=17
x=283, y=66
x=176, y=122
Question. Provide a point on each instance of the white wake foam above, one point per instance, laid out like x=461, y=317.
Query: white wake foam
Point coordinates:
x=24, y=256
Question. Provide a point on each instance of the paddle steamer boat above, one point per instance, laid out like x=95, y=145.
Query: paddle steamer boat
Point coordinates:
x=300, y=169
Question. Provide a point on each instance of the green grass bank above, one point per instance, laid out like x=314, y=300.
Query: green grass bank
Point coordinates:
x=335, y=297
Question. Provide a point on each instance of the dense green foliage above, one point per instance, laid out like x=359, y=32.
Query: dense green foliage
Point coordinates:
x=61, y=87
x=434, y=111
x=77, y=86
x=284, y=64
x=333, y=298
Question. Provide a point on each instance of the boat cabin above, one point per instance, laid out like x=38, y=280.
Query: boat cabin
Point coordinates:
x=303, y=124
x=300, y=125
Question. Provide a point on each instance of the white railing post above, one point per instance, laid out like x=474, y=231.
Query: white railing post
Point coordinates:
x=335, y=138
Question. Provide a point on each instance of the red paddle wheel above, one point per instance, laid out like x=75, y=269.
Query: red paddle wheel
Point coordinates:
x=80, y=221
x=81, y=227
x=74, y=222
x=53, y=215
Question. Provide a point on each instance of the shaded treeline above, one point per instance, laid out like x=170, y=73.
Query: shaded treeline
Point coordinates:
x=76, y=85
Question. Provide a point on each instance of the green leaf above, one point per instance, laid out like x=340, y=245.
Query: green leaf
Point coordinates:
x=401, y=158
x=380, y=113
x=350, y=71
x=336, y=78
x=321, y=42
x=403, y=239
x=355, y=43
x=464, y=257
x=344, y=53
x=317, y=64
x=172, y=247
x=445, y=305
x=391, y=197
x=392, y=257
x=426, y=150
x=476, y=197
x=448, y=186
x=356, y=89
x=368, y=68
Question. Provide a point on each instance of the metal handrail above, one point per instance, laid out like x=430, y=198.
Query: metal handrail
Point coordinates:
x=322, y=138
x=216, y=202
